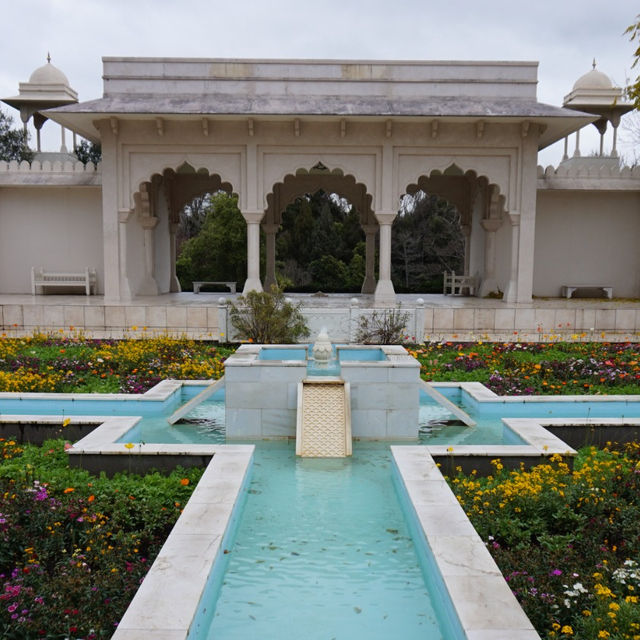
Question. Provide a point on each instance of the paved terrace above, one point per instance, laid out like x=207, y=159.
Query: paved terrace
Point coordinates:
x=202, y=316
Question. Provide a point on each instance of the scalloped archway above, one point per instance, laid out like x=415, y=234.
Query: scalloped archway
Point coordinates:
x=482, y=210
x=308, y=181
x=157, y=205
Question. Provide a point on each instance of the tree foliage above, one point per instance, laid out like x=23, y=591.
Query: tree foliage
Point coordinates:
x=88, y=152
x=219, y=251
x=13, y=142
x=633, y=31
x=321, y=244
x=268, y=318
x=426, y=240
x=192, y=218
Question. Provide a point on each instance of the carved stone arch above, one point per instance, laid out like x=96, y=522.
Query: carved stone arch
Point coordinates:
x=305, y=181
x=181, y=185
x=460, y=188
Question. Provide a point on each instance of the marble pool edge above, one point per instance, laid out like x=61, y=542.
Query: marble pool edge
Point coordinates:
x=166, y=604
x=484, y=604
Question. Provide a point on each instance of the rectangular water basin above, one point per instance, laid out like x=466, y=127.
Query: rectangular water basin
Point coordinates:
x=343, y=353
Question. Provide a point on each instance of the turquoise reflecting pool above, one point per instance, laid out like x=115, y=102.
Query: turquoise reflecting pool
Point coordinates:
x=323, y=551
x=436, y=425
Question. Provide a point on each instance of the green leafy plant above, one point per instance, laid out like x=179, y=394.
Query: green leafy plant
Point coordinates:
x=268, y=318
x=386, y=327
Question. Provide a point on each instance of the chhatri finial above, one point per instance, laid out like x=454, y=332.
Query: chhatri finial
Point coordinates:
x=594, y=63
x=48, y=57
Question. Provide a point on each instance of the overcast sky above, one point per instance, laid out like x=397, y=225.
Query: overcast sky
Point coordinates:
x=563, y=35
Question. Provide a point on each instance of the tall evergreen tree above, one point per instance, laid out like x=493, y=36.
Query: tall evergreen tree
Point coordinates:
x=319, y=245
x=13, y=142
x=426, y=240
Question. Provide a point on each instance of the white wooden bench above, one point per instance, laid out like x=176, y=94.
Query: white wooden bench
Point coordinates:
x=455, y=285
x=567, y=290
x=198, y=285
x=40, y=278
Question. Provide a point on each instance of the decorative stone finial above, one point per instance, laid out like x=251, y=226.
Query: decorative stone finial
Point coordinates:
x=322, y=350
x=48, y=57
x=594, y=63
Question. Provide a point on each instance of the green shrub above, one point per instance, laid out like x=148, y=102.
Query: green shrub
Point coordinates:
x=386, y=327
x=268, y=318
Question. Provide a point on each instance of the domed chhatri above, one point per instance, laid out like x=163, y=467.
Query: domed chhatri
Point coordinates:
x=48, y=74
x=593, y=79
x=595, y=93
x=47, y=88
x=594, y=90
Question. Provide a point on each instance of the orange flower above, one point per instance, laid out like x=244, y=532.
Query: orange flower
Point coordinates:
x=91, y=498
x=68, y=490
x=184, y=482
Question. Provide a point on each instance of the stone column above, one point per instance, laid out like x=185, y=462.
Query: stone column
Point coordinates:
x=466, y=233
x=63, y=142
x=124, y=215
x=576, y=152
x=149, y=285
x=385, y=295
x=270, y=231
x=252, y=219
x=112, y=211
x=511, y=290
x=174, y=283
x=369, y=283
x=489, y=283
x=615, y=123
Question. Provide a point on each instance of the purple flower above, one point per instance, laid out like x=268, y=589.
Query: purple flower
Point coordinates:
x=556, y=572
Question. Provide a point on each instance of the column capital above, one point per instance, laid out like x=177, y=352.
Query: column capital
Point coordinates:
x=124, y=215
x=514, y=218
x=385, y=217
x=148, y=222
x=491, y=224
x=253, y=217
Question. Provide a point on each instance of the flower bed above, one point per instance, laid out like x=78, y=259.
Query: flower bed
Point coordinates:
x=518, y=368
x=567, y=541
x=76, y=364
x=75, y=547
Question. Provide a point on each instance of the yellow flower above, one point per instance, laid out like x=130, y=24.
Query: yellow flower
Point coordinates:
x=129, y=445
x=567, y=629
x=603, y=634
x=66, y=421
